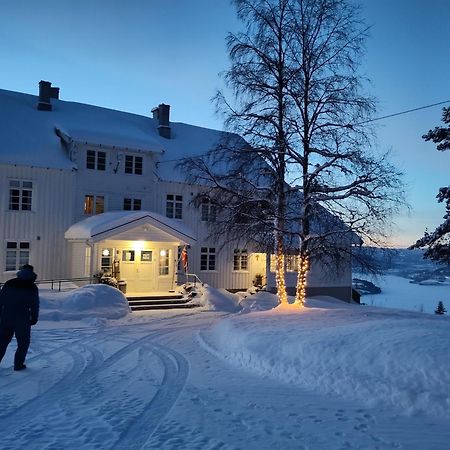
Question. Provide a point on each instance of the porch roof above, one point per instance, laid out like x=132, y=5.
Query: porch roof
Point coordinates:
x=107, y=225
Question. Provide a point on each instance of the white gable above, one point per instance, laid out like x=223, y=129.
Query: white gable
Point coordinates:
x=130, y=225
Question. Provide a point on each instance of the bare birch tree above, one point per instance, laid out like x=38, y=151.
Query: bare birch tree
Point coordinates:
x=298, y=101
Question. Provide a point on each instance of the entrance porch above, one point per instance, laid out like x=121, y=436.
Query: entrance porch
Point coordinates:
x=140, y=249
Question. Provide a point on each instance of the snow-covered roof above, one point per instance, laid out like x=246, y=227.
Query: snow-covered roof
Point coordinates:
x=28, y=136
x=115, y=223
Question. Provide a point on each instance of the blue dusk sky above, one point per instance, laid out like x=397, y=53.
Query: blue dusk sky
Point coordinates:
x=136, y=54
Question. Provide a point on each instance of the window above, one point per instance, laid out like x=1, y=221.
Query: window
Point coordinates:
x=106, y=260
x=240, y=259
x=95, y=160
x=174, y=206
x=291, y=263
x=20, y=195
x=94, y=204
x=17, y=254
x=208, y=258
x=133, y=164
x=128, y=255
x=208, y=210
x=132, y=204
x=146, y=255
x=164, y=262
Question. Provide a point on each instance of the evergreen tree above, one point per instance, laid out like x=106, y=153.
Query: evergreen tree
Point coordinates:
x=440, y=309
x=438, y=243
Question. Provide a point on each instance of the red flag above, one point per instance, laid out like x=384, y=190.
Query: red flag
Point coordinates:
x=184, y=259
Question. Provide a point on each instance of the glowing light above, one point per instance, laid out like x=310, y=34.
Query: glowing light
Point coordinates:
x=162, y=253
x=300, y=294
x=138, y=245
x=105, y=252
x=280, y=278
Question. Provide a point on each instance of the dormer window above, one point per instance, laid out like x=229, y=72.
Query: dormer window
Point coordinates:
x=95, y=160
x=133, y=164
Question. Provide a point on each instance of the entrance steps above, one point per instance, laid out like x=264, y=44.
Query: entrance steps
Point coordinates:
x=151, y=302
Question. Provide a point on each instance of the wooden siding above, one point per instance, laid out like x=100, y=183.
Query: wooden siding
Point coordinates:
x=44, y=225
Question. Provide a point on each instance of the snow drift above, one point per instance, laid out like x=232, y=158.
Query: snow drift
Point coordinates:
x=368, y=354
x=91, y=301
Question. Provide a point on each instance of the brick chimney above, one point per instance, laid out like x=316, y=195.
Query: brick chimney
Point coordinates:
x=162, y=114
x=46, y=92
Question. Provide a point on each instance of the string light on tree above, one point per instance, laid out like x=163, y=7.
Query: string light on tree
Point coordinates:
x=300, y=296
x=280, y=278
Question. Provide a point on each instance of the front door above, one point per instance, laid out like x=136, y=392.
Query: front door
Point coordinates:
x=137, y=267
x=145, y=271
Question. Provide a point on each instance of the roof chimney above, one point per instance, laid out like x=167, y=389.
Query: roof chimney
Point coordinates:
x=46, y=92
x=162, y=114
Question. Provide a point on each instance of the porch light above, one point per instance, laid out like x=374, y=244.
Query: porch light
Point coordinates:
x=162, y=253
x=105, y=252
x=138, y=245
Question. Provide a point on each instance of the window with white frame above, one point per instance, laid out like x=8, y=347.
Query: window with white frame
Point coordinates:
x=164, y=262
x=95, y=160
x=94, y=204
x=106, y=260
x=133, y=164
x=174, y=206
x=128, y=255
x=240, y=259
x=291, y=263
x=132, y=204
x=17, y=254
x=208, y=258
x=20, y=195
x=208, y=210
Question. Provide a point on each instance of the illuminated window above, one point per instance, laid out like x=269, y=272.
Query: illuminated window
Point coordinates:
x=133, y=164
x=95, y=160
x=128, y=255
x=132, y=204
x=94, y=204
x=146, y=255
x=208, y=258
x=273, y=263
x=106, y=260
x=240, y=260
x=20, y=195
x=174, y=206
x=208, y=210
x=291, y=263
x=164, y=262
x=17, y=254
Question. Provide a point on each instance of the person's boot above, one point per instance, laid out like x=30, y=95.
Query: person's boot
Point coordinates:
x=21, y=367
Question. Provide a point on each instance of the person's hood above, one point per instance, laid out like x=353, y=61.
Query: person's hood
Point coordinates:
x=26, y=274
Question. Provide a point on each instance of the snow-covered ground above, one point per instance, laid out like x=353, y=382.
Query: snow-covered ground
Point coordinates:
x=398, y=292
x=234, y=373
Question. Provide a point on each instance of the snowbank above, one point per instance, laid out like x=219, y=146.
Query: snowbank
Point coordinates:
x=91, y=301
x=217, y=299
x=376, y=356
x=241, y=302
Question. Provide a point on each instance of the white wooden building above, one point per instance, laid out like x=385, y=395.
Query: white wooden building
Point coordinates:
x=85, y=189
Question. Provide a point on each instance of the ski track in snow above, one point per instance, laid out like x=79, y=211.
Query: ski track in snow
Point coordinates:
x=93, y=402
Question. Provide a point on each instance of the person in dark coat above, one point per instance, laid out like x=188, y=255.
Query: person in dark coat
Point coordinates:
x=19, y=310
